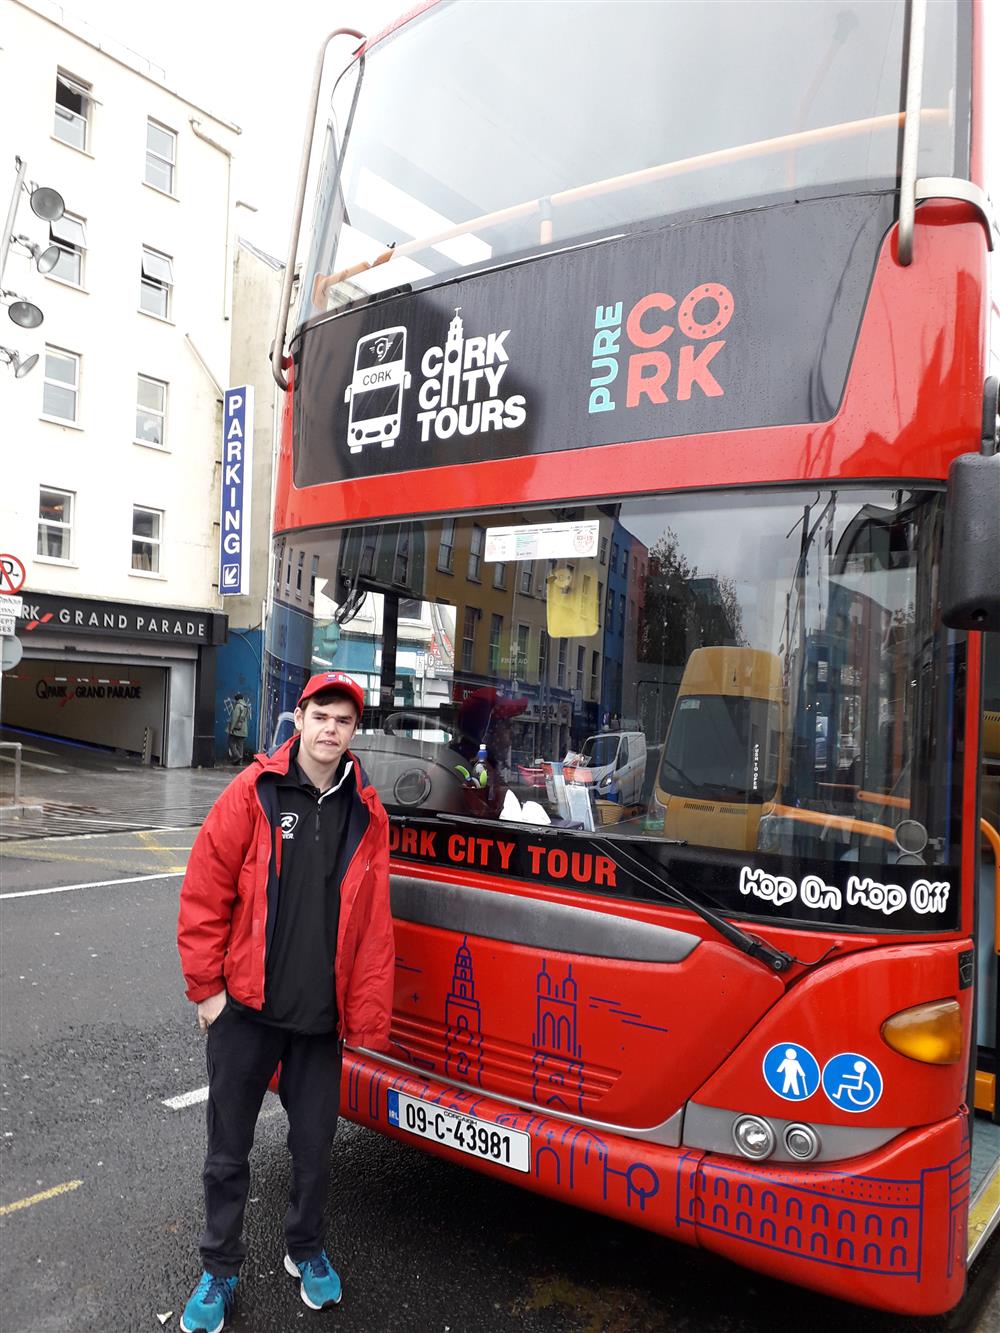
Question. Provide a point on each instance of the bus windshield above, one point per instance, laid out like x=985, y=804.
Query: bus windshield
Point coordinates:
x=749, y=671
x=796, y=99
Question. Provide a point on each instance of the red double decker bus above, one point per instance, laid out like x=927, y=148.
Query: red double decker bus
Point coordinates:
x=634, y=348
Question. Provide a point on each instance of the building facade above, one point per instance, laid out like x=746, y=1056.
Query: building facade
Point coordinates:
x=113, y=441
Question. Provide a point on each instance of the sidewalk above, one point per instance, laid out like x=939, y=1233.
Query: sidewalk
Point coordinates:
x=88, y=791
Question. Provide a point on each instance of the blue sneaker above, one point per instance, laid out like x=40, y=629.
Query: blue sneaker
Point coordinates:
x=210, y=1303
x=319, y=1283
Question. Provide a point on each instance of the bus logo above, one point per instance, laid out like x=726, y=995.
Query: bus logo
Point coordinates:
x=376, y=390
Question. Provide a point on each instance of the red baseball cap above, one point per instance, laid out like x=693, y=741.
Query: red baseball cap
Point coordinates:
x=334, y=680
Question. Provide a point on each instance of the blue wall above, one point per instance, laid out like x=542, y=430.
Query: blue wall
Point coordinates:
x=237, y=669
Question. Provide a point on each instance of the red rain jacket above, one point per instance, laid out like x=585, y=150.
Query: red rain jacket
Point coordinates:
x=231, y=887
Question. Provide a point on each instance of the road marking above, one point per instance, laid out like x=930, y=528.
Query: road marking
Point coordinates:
x=65, y=838
x=40, y=1198
x=186, y=1099
x=93, y=884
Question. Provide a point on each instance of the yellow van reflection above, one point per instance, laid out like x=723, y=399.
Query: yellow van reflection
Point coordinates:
x=723, y=751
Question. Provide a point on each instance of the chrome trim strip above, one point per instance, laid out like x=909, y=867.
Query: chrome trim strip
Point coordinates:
x=711, y=1129
x=911, y=128
x=536, y=923
x=668, y=1133
x=956, y=187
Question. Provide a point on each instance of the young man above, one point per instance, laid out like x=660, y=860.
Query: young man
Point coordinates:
x=286, y=945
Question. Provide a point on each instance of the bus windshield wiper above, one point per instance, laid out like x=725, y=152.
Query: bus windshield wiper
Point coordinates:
x=775, y=960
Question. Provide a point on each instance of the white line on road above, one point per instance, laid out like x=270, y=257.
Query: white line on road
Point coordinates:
x=187, y=1099
x=122, y=833
x=93, y=884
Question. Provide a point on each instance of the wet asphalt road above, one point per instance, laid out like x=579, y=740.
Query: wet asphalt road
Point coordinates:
x=95, y=1033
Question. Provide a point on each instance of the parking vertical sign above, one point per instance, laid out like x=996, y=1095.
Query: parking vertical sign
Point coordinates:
x=237, y=458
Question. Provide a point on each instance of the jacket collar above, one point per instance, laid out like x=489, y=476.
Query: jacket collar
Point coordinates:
x=280, y=761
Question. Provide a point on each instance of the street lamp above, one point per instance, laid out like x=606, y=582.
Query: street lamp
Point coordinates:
x=47, y=204
x=45, y=260
x=21, y=367
x=24, y=313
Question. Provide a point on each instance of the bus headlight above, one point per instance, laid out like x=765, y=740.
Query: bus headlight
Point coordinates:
x=931, y=1033
x=754, y=1137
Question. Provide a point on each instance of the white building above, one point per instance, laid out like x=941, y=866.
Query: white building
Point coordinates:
x=111, y=444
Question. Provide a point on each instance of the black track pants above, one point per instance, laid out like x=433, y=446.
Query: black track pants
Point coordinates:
x=242, y=1056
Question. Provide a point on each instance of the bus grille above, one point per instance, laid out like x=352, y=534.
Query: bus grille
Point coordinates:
x=478, y=1060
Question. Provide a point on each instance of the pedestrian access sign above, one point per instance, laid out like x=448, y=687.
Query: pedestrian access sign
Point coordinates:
x=237, y=464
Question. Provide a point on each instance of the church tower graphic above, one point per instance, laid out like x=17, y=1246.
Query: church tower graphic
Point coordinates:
x=463, y=1040
x=557, y=1067
x=451, y=383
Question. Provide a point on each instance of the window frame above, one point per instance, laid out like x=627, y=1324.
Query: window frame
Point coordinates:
x=63, y=526
x=149, y=281
x=171, y=163
x=69, y=248
x=156, y=542
x=77, y=359
x=446, y=550
x=469, y=622
x=477, y=544
x=151, y=412
x=78, y=88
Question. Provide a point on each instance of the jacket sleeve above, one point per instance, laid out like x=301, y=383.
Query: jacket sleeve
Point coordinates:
x=209, y=891
x=368, y=1013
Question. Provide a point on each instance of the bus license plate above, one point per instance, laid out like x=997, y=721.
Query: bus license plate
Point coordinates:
x=468, y=1133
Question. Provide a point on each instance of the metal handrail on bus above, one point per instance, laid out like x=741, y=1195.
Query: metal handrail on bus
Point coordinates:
x=993, y=838
x=643, y=176
x=911, y=128
x=278, y=346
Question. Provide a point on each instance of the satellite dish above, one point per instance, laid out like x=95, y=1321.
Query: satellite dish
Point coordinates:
x=47, y=203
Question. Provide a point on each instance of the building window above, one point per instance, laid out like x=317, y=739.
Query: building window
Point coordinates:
x=299, y=569
x=521, y=654
x=69, y=233
x=446, y=547
x=161, y=155
x=609, y=611
x=61, y=391
x=614, y=555
x=595, y=662
x=500, y=574
x=469, y=637
x=543, y=656
x=55, y=524
x=625, y=564
x=527, y=574
x=621, y=609
x=496, y=631
x=156, y=284
x=581, y=654
x=476, y=551
x=147, y=533
x=73, y=102
x=150, y=411
x=604, y=550
x=561, y=665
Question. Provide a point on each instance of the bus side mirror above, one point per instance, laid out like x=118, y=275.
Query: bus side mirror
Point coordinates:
x=970, y=576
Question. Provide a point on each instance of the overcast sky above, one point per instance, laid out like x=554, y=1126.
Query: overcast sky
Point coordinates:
x=247, y=63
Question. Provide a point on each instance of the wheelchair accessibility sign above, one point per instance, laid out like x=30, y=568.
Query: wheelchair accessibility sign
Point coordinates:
x=791, y=1071
x=852, y=1082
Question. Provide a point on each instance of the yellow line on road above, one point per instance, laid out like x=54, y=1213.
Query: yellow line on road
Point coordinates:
x=40, y=1198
